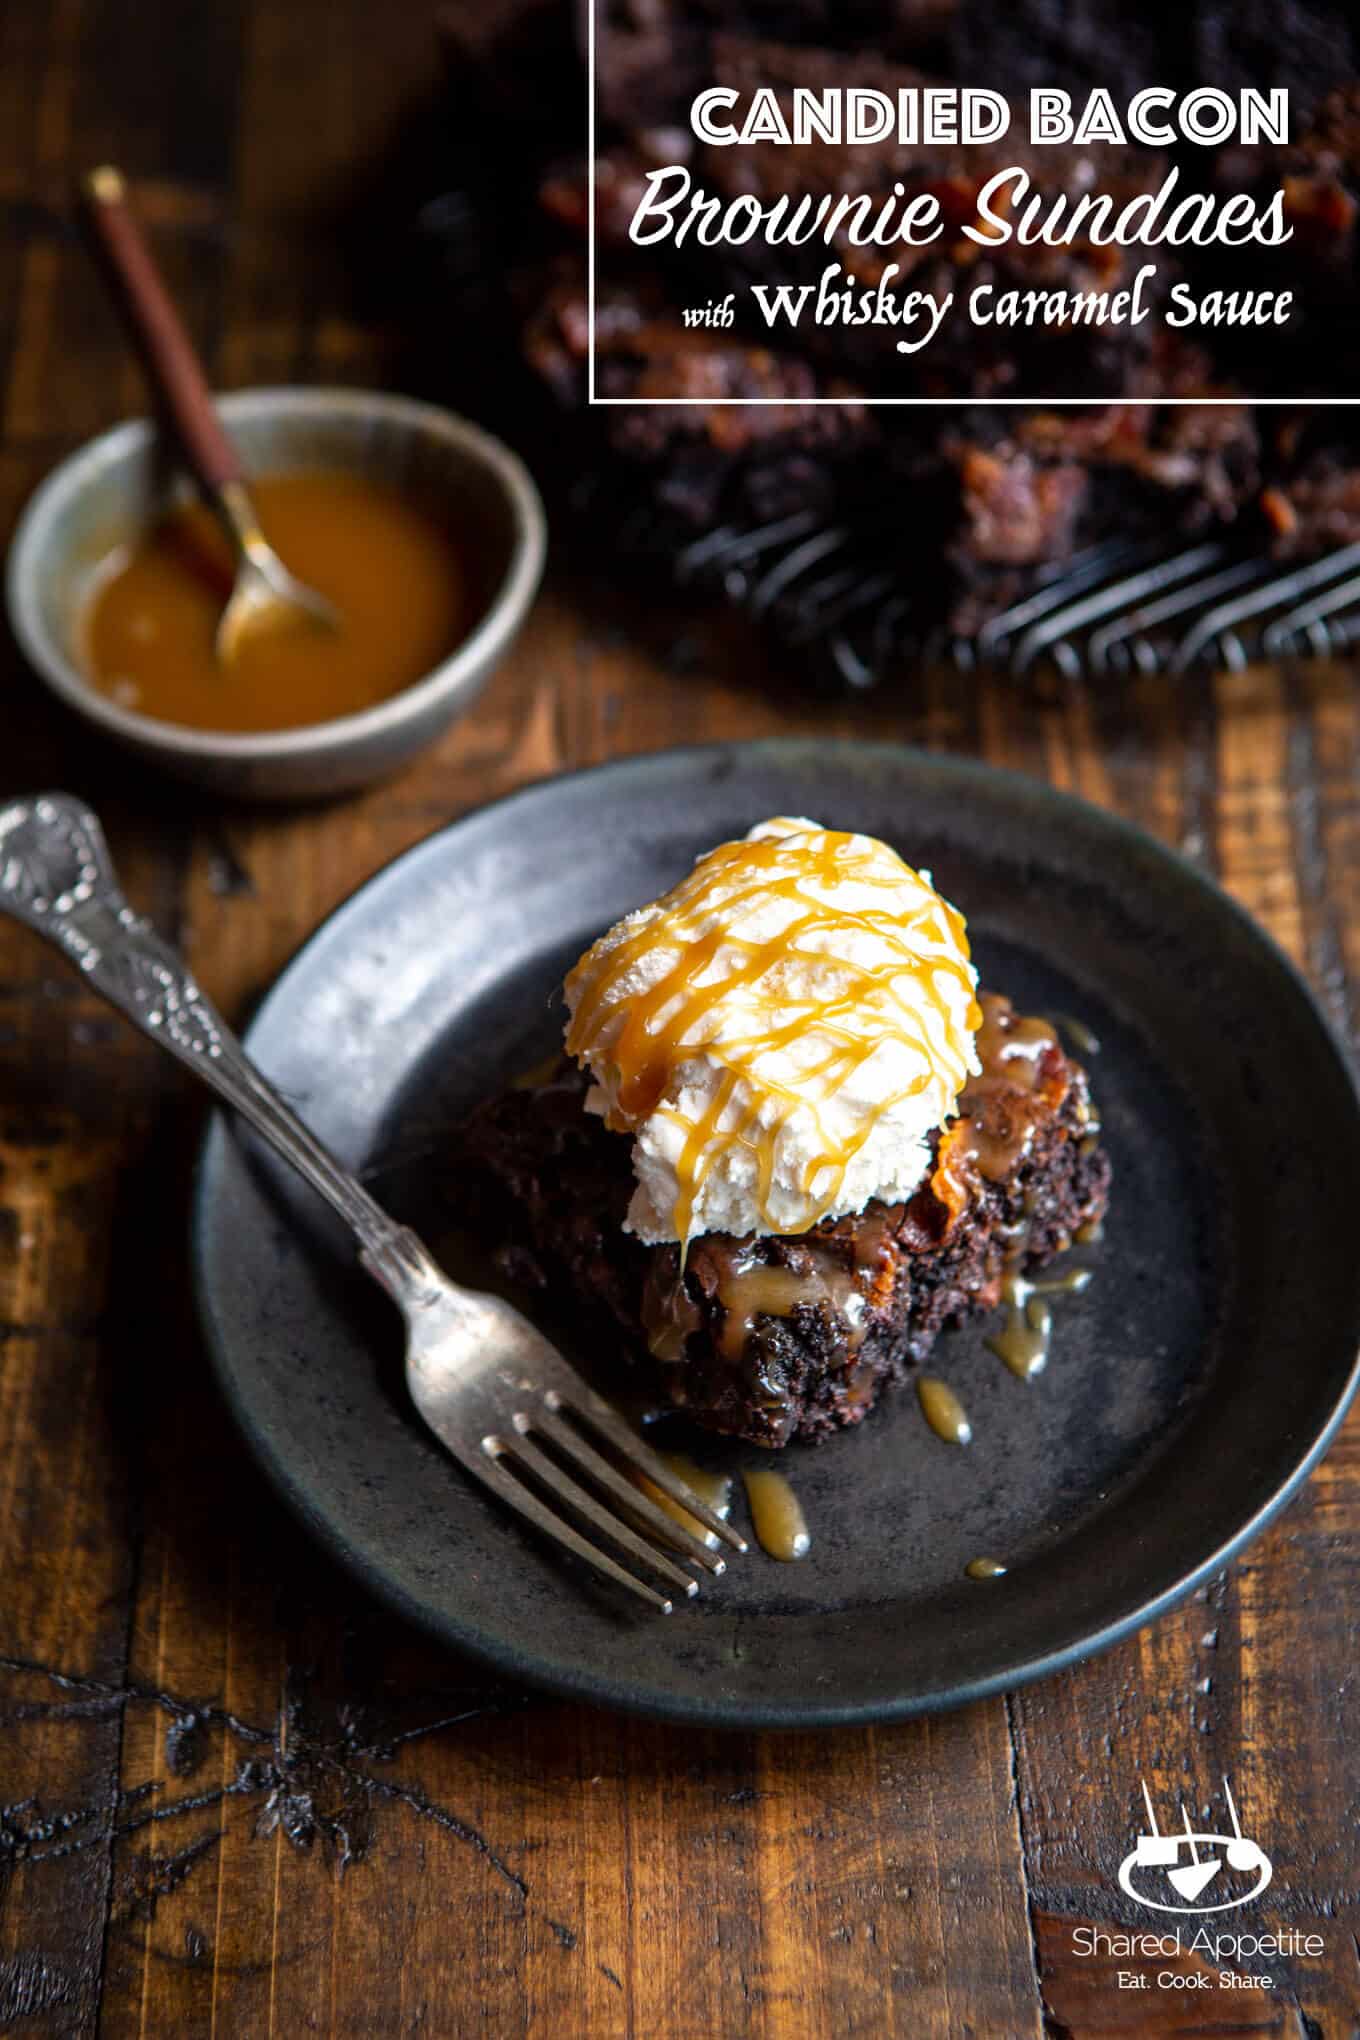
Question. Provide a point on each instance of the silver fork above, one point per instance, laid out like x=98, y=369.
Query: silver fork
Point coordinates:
x=490, y=1387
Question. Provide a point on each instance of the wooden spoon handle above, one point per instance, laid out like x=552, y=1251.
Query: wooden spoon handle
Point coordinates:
x=158, y=332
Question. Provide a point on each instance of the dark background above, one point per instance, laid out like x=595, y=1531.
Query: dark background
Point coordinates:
x=233, y=1797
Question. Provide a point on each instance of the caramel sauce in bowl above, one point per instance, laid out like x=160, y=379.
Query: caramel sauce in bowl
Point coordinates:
x=98, y=507
x=397, y=575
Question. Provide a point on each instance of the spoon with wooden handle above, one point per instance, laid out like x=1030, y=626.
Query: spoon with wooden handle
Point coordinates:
x=264, y=596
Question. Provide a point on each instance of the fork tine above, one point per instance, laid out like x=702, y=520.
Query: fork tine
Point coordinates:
x=607, y=1475
x=597, y=1412
x=488, y=1467
x=525, y=1453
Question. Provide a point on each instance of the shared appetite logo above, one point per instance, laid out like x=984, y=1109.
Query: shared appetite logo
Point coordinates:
x=1193, y=1862
x=1197, y=1871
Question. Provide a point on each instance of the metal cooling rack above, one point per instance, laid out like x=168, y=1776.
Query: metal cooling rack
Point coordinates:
x=833, y=593
x=1124, y=606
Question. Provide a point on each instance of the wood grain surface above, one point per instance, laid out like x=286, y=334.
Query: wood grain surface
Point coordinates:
x=235, y=1799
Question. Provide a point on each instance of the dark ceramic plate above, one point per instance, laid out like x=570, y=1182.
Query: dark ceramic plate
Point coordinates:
x=1190, y=1390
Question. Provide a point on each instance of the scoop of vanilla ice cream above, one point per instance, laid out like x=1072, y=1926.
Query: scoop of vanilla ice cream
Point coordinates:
x=781, y=1033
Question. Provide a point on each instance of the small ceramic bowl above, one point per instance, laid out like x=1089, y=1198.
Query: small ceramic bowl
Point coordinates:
x=106, y=495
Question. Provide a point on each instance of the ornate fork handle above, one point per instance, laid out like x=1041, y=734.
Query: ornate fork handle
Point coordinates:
x=56, y=875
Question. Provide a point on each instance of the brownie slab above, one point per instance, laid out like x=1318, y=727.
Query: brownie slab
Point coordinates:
x=775, y=1338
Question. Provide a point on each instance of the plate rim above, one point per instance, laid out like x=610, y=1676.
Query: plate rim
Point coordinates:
x=644, y=1696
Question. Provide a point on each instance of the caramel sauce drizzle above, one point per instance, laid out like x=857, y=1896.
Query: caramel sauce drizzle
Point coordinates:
x=943, y=1411
x=644, y=1036
x=1083, y=1038
x=1023, y=1341
x=776, y=1514
x=760, y=1291
x=751, y=1289
x=713, y=1488
x=993, y=1130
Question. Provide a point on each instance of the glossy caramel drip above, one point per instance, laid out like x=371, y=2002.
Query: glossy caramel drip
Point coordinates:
x=644, y=1035
x=1083, y=1038
x=538, y=1074
x=751, y=1289
x=985, y=1569
x=713, y=1488
x=776, y=1514
x=943, y=1411
x=760, y=1291
x=1023, y=1341
x=994, y=1126
x=669, y=1315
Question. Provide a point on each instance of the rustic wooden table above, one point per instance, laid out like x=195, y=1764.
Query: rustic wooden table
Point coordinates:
x=234, y=1797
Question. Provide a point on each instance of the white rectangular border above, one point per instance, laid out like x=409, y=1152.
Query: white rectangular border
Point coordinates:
x=862, y=403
